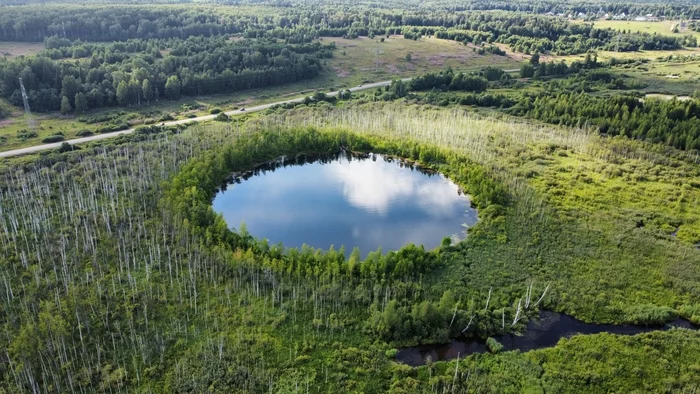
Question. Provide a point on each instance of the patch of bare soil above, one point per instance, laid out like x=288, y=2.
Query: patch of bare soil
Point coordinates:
x=439, y=60
x=393, y=69
x=343, y=43
x=513, y=55
x=12, y=49
x=341, y=73
x=244, y=102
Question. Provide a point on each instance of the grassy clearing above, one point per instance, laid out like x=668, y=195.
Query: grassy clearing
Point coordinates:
x=10, y=49
x=672, y=78
x=678, y=76
x=665, y=28
x=649, y=55
x=369, y=60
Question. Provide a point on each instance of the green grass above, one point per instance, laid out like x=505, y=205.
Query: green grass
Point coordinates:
x=659, y=27
x=370, y=60
x=677, y=77
x=10, y=49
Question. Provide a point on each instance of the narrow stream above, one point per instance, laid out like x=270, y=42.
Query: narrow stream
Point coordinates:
x=541, y=333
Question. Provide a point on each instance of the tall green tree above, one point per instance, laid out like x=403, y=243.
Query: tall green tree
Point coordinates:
x=147, y=91
x=135, y=92
x=123, y=93
x=69, y=87
x=81, y=104
x=527, y=71
x=65, y=105
x=172, y=88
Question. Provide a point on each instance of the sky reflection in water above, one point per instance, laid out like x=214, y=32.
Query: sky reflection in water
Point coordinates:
x=352, y=202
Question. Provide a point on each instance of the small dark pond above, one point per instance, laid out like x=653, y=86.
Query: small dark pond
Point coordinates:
x=541, y=333
x=368, y=201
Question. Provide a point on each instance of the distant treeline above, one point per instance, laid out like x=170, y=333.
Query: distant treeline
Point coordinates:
x=530, y=34
x=308, y=21
x=677, y=9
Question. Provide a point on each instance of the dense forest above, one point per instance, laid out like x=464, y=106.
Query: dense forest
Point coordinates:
x=673, y=122
x=536, y=33
x=675, y=9
x=134, y=72
x=565, y=101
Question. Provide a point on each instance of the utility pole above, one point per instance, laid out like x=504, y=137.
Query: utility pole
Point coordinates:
x=31, y=120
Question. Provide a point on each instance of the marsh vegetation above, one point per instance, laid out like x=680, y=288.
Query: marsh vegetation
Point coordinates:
x=120, y=272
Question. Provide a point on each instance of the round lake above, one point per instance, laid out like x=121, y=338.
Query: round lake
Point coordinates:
x=367, y=201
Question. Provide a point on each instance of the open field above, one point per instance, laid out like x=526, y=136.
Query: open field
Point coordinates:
x=365, y=59
x=660, y=27
x=678, y=77
x=13, y=49
x=648, y=55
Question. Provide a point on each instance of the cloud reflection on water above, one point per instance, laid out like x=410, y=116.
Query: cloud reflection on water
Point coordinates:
x=353, y=203
x=375, y=188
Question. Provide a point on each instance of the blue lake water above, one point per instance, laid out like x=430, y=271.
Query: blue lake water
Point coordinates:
x=367, y=201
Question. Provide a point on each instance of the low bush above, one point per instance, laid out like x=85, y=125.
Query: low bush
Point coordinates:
x=493, y=345
x=650, y=314
x=222, y=117
x=112, y=128
x=165, y=117
x=84, y=133
x=53, y=138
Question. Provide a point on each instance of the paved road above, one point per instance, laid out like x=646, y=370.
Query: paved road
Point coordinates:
x=37, y=148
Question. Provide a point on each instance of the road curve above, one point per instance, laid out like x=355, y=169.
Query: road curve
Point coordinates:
x=38, y=148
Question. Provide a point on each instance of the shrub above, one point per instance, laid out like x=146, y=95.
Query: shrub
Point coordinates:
x=52, y=138
x=26, y=134
x=66, y=147
x=112, y=128
x=222, y=117
x=215, y=111
x=391, y=353
x=155, y=129
x=692, y=312
x=493, y=345
x=689, y=233
x=650, y=314
x=165, y=117
x=84, y=133
x=303, y=359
